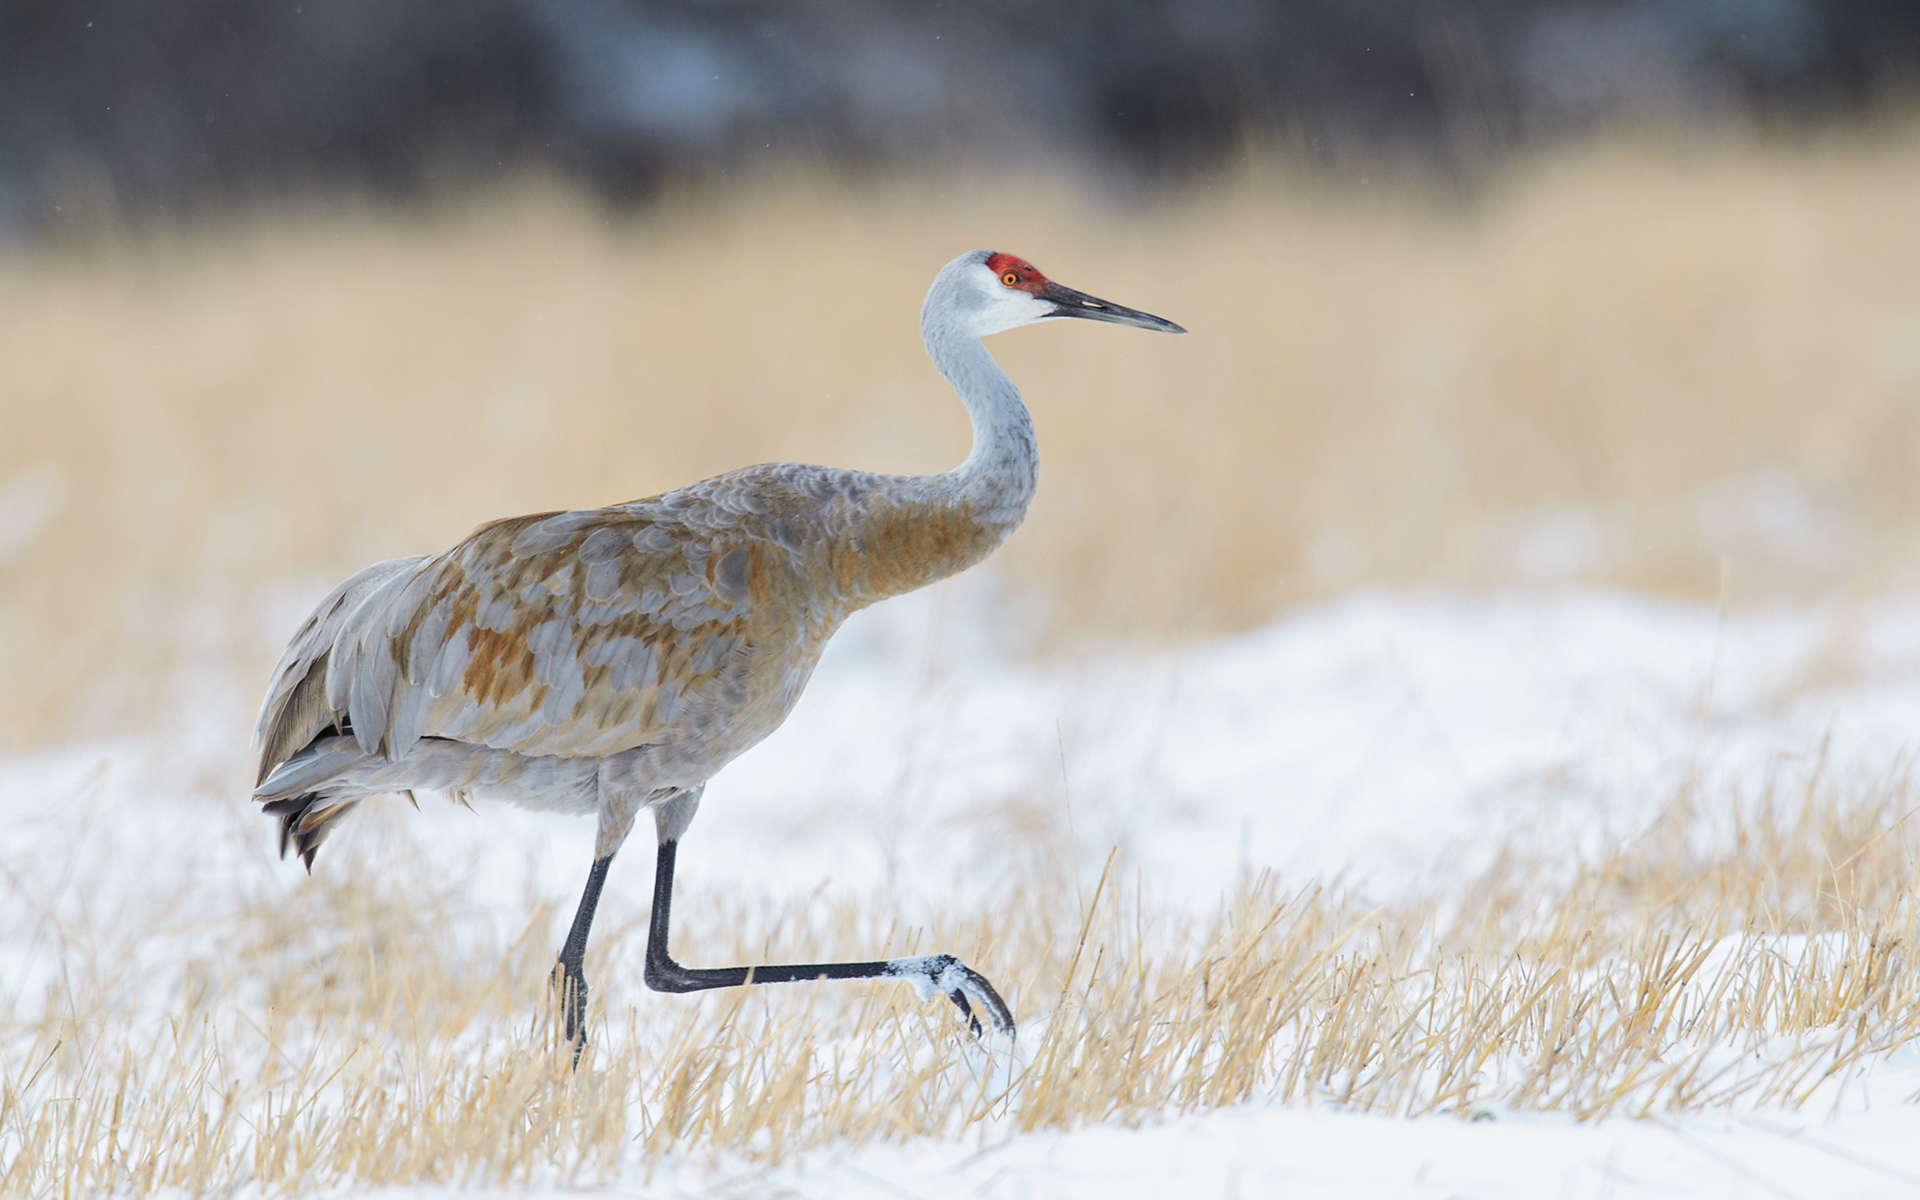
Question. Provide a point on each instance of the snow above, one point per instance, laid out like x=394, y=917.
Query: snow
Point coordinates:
x=1373, y=738
x=1380, y=739
x=1249, y=1152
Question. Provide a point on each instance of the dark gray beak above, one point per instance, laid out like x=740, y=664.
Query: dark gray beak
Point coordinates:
x=1078, y=304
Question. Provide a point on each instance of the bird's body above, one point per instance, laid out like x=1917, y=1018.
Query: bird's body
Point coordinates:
x=569, y=661
x=614, y=659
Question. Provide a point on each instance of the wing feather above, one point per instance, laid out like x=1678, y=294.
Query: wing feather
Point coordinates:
x=297, y=708
x=579, y=633
x=361, y=670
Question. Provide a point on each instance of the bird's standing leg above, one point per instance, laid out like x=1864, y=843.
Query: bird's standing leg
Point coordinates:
x=929, y=974
x=571, y=973
x=616, y=820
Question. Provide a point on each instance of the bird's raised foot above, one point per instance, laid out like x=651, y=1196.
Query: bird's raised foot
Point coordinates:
x=943, y=974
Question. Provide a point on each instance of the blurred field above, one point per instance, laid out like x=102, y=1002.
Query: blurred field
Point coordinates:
x=1654, y=363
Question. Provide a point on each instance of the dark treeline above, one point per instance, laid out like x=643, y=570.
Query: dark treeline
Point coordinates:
x=139, y=107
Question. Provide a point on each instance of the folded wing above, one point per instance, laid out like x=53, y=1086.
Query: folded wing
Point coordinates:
x=576, y=633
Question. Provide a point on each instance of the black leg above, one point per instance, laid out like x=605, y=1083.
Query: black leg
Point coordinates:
x=929, y=974
x=572, y=977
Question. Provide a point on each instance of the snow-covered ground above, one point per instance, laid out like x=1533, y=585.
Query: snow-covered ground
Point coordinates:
x=1381, y=739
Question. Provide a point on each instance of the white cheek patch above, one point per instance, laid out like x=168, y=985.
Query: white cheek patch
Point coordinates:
x=1009, y=308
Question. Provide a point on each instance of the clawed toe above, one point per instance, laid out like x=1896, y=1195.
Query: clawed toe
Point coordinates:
x=959, y=999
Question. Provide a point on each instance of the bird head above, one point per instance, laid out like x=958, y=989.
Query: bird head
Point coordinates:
x=989, y=292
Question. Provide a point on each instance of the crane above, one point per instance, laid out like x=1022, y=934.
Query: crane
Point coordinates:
x=606, y=661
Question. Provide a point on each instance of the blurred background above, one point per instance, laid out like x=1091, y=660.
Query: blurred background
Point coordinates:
x=1484, y=294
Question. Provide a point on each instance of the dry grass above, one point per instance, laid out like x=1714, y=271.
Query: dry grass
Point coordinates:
x=366, y=1029
x=1638, y=364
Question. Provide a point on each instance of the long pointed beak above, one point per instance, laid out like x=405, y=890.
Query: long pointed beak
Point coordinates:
x=1079, y=304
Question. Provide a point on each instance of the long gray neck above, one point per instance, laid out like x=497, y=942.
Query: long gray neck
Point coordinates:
x=997, y=480
x=912, y=530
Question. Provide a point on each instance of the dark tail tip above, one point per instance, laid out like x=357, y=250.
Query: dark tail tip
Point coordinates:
x=299, y=830
x=289, y=811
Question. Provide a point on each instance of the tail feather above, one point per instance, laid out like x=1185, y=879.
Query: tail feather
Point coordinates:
x=305, y=821
x=325, y=759
x=298, y=754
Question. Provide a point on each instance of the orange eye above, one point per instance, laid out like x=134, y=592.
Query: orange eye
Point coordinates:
x=1010, y=279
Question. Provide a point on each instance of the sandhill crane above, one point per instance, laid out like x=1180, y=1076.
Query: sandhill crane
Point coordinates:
x=610, y=660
